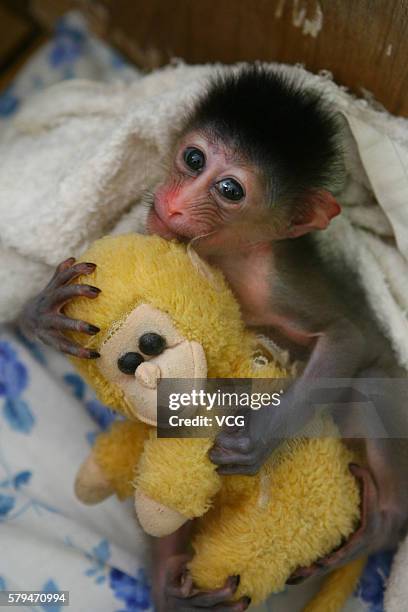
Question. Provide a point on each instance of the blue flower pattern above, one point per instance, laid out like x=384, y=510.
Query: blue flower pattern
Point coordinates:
x=13, y=381
x=51, y=587
x=9, y=103
x=69, y=45
x=133, y=591
x=373, y=581
x=100, y=414
x=13, y=501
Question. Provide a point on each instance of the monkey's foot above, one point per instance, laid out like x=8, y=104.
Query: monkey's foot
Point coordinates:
x=181, y=594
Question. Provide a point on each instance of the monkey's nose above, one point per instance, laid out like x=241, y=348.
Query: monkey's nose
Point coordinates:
x=148, y=374
x=174, y=209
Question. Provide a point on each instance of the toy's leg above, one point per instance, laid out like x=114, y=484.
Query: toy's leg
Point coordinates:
x=383, y=474
x=173, y=588
x=337, y=587
x=91, y=484
x=382, y=523
x=110, y=466
x=358, y=542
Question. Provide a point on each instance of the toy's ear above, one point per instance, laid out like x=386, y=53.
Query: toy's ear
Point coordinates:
x=319, y=209
x=203, y=268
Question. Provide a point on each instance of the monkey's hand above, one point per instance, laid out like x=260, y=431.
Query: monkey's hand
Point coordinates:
x=42, y=318
x=244, y=449
x=180, y=594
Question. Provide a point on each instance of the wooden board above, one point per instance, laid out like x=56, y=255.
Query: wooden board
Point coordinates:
x=13, y=32
x=364, y=43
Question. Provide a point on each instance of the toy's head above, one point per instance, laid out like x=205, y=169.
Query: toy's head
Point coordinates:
x=161, y=315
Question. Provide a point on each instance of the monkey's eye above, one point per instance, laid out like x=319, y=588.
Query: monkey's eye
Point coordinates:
x=152, y=344
x=230, y=189
x=129, y=362
x=194, y=158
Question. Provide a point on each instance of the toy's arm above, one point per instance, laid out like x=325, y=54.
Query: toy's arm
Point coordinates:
x=176, y=482
x=110, y=466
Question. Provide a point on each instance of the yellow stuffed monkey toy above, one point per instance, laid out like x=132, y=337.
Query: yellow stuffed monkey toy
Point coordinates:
x=160, y=303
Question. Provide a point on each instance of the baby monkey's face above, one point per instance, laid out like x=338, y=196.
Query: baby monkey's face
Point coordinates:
x=211, y=193
x=145, y=349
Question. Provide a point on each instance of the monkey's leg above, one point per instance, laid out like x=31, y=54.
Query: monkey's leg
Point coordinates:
x=173, y=588
x=42, y=318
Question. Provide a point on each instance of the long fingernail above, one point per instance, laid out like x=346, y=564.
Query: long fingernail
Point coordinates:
x=90, y=265
x=237, y=579
x=187, y=583
x=92, y=329
x=94, y=290
x=247, y=601
x=352, y=469
x=94, y=355
x=296, y=580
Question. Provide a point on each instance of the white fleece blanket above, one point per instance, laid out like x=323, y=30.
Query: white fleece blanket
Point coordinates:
x=78, y=157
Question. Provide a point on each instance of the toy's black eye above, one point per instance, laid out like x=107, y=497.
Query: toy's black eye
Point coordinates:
x=194, y=158
x=152, y=344
x=230, y=189
x=129, y=362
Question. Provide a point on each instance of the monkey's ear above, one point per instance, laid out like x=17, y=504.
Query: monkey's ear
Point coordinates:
x=316, y=213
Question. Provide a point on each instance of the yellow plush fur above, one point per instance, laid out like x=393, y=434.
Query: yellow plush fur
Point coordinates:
x=118, y=467
x=303, y=502
x=262, y=528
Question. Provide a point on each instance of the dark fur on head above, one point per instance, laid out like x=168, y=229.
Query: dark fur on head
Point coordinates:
x=280, y=126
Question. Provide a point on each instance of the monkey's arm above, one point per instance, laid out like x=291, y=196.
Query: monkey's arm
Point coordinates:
x=339, y=352
x=42, y=318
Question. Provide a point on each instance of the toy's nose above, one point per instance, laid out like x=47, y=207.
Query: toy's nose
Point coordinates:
x=148, y=374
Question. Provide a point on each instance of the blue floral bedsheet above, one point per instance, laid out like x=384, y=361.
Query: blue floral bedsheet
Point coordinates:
x=49, y=540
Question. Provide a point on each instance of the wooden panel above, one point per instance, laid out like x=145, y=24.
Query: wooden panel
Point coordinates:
x=7, y=75
x=46, y=12
x=364, y=43
x=13, y=31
